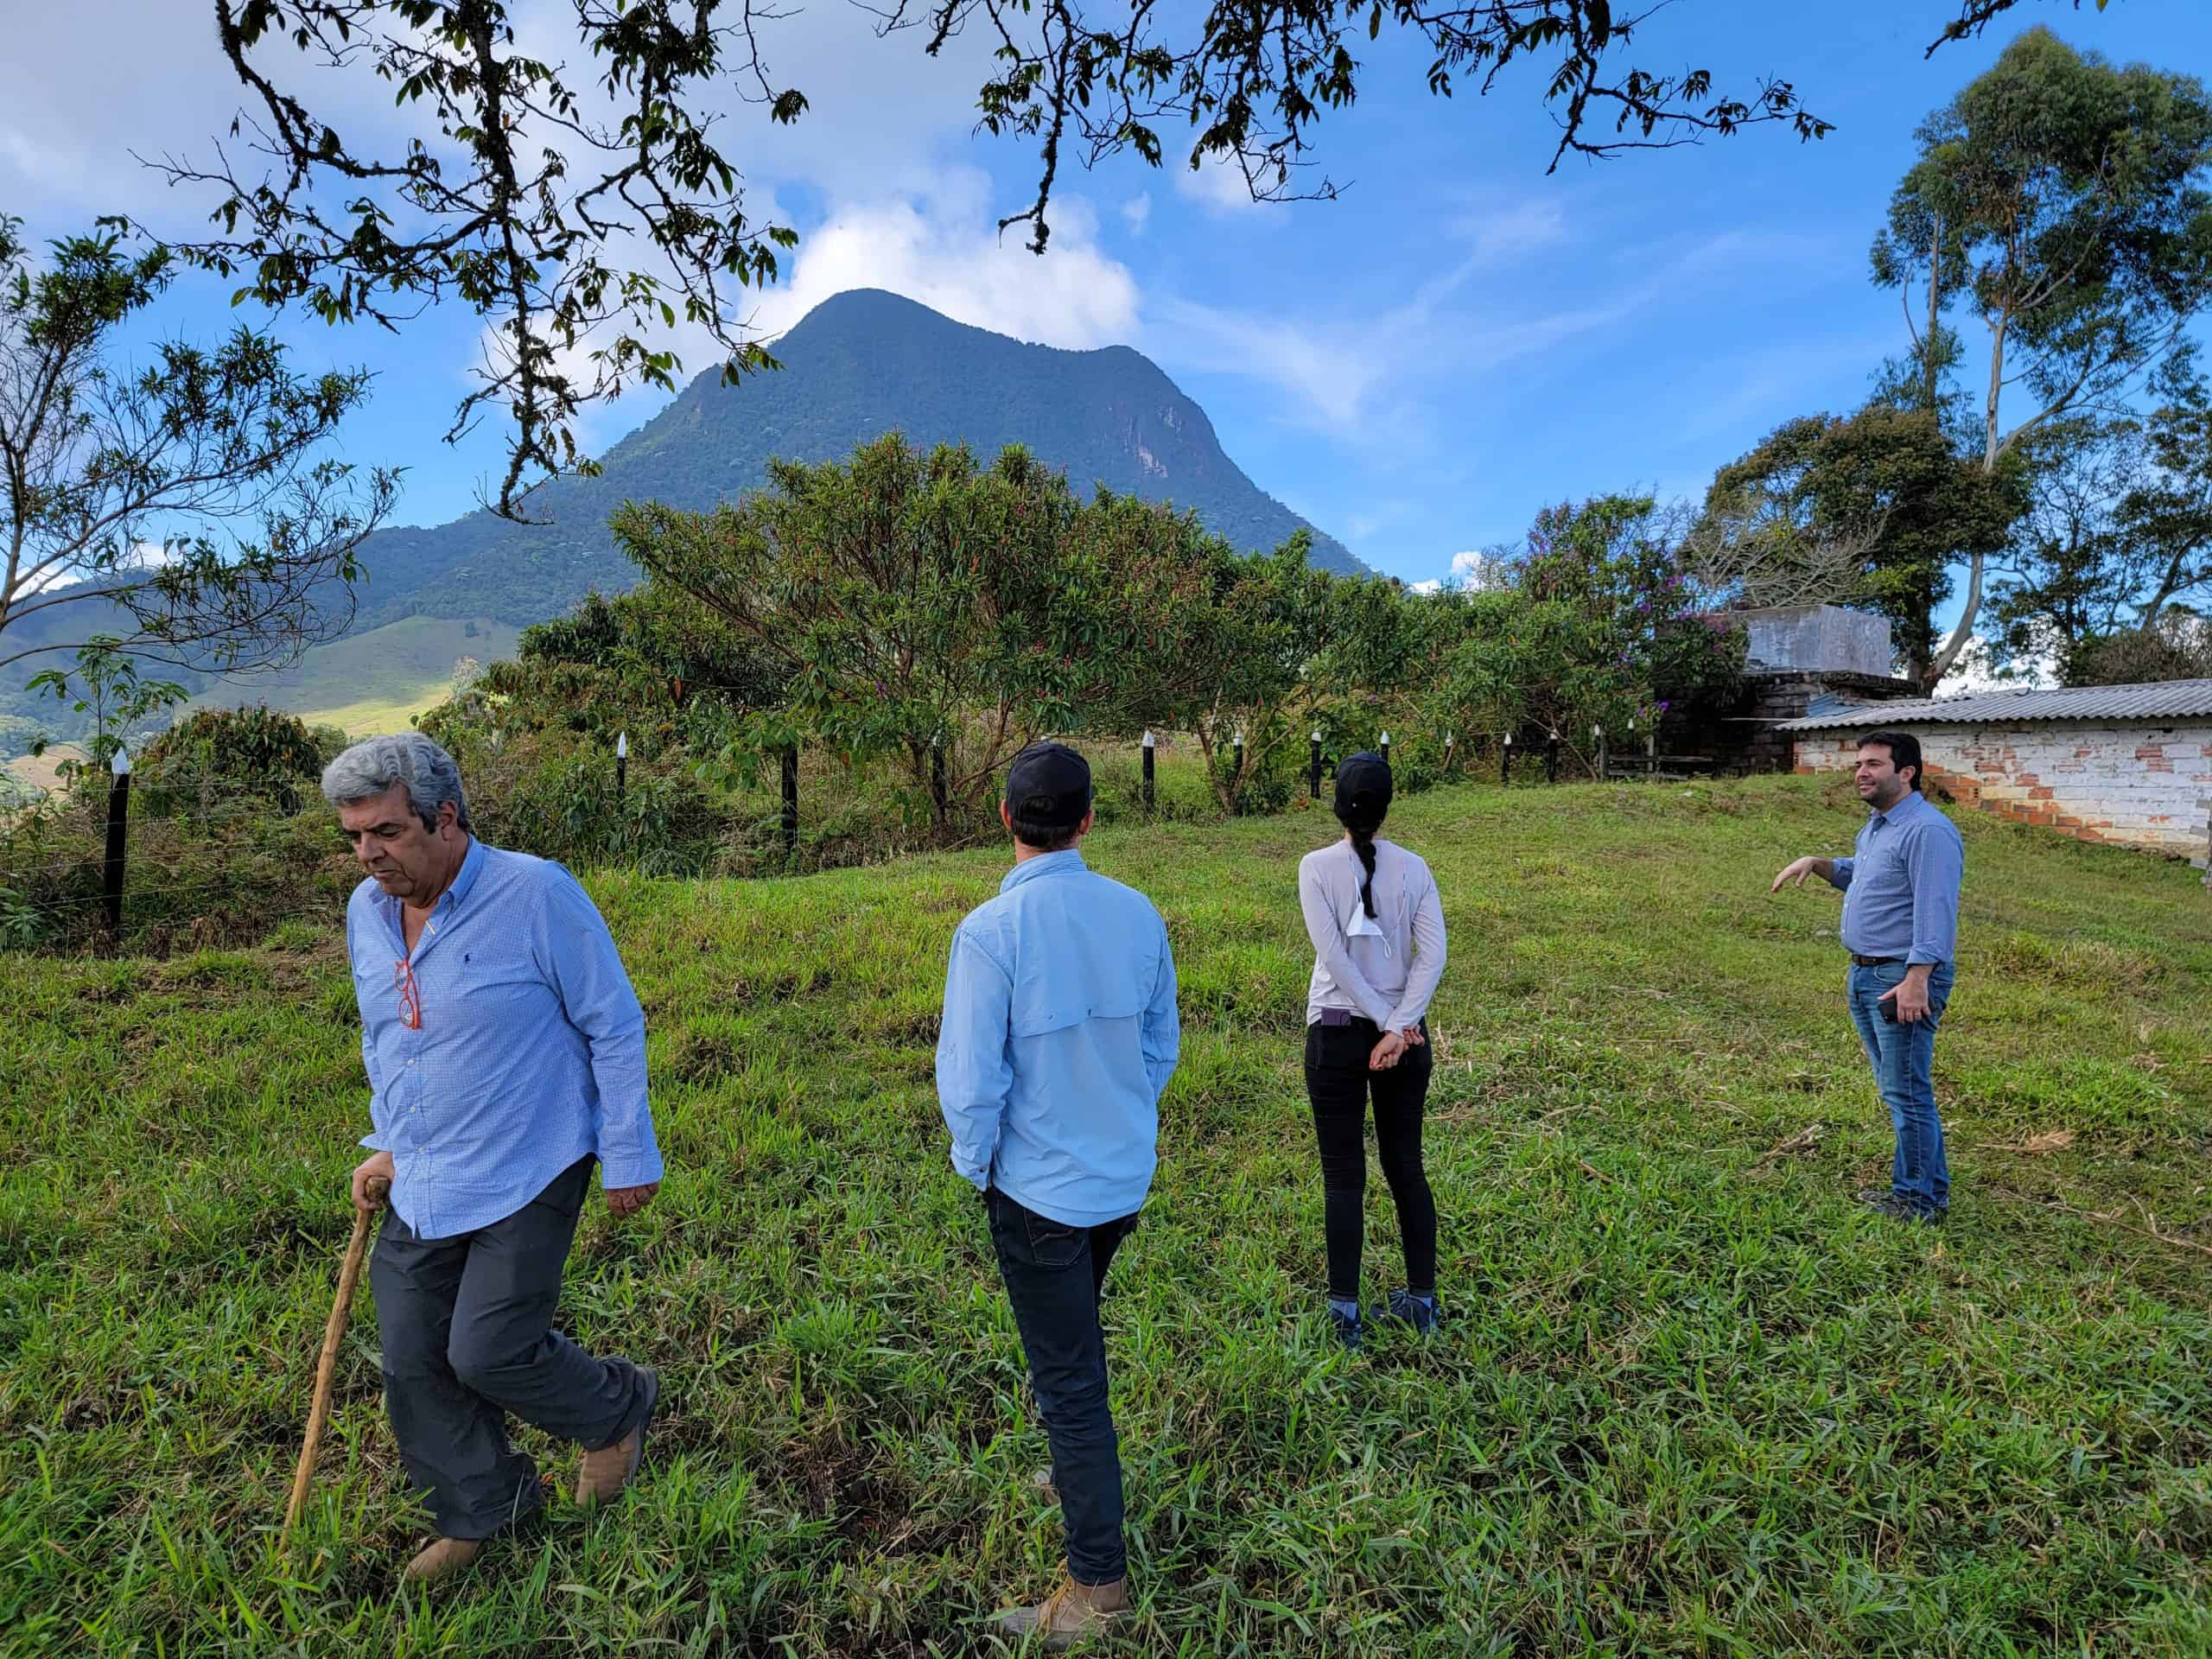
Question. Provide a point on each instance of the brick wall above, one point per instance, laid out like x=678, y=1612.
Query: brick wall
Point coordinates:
x=2146, y=786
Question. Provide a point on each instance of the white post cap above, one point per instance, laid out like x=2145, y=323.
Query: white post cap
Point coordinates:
x=1150, y=741
x=622, y=746
x=119, y=763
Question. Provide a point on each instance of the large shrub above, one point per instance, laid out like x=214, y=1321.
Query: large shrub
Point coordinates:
x=257, y=753
x=1599, y=627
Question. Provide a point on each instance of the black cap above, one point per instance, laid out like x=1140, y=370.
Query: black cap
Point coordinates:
x=1048, y=786
x=1363, y=784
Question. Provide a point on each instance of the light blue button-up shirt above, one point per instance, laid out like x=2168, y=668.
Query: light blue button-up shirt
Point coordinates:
x=1060, y=1033
x=532, y=1050
x=1901, y=885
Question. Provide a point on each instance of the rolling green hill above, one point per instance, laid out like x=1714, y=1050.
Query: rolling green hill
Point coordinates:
x=372, y=682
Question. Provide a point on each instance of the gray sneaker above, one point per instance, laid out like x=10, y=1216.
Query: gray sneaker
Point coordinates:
x=1405, y=1308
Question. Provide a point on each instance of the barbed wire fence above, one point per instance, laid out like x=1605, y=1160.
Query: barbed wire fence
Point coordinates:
x=28, y=907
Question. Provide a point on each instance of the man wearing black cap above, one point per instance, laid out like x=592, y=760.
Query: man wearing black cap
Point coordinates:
x=1059, y=1032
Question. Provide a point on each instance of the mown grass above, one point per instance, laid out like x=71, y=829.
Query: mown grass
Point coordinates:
x=1690, y=1400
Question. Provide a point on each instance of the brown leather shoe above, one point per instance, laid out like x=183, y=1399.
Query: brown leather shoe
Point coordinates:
x=607, y=1472
x=1072, y=1613
x=441, y=1558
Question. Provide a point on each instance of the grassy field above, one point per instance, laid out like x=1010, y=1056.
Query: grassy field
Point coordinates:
x=372, y=682
x=1691, y=1400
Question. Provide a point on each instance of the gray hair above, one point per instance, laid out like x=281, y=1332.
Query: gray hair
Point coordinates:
x=375, y=764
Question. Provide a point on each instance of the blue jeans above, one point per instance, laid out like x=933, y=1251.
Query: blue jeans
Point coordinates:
x=1053, y=1274
x=1904, y=1057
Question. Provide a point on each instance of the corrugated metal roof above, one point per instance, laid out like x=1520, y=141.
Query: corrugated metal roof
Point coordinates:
x=2166, y=700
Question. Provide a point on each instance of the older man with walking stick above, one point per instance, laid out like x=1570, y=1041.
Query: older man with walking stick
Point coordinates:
x=506, y=1053
x=1059, y=1032
x=1901, y=928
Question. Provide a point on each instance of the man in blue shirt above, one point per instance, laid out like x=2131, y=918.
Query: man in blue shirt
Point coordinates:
x=1059, y=1032
x=1901, y=925
x=505, y=1051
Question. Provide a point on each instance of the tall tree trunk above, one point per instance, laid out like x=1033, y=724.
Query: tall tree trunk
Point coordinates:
x=1929, y=366
x=1993, y=445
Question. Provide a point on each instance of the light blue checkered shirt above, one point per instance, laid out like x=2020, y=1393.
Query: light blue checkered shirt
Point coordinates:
x=1060, y=1033
x=531, y=1051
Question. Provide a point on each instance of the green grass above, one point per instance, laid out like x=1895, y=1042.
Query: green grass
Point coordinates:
x=1691, y=1400
x=372, y=682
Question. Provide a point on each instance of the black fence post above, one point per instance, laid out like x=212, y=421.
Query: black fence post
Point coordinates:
x=1151, y=743
x=118, y=814
x=1506, y=761
x=1386, y=748
x=791, y=798
x=622, y=767
x=1551, y=759
x=937, y=773
x=1597, y=739
x=1447, y=752
x=1313, y=769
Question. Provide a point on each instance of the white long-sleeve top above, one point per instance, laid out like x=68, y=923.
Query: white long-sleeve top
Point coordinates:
x=1385, y=969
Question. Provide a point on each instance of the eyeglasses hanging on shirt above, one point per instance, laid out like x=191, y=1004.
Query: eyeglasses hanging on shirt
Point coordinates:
x=410, y=994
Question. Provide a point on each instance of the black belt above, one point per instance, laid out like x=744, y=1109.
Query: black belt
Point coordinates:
x=1873, y=962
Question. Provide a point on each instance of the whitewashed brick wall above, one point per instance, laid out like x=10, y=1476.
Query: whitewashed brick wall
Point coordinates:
x=2147, y=786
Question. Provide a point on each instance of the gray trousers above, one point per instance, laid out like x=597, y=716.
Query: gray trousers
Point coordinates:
x=468, y=1337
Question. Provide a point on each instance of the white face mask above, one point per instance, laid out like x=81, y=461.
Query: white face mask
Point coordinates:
x=1360, y=926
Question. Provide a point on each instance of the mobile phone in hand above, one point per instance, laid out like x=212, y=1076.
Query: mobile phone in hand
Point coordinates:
x=1888, y=1006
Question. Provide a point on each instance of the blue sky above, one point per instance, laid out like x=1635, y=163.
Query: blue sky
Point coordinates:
x=1416, y=367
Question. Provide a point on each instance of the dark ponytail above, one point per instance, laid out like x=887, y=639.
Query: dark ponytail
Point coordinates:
x=1363, y=842
x=1362, y=801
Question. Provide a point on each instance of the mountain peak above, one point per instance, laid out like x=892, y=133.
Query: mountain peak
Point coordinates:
x=862, y=363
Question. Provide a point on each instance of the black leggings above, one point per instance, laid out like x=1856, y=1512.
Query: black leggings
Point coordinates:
x=1338, y=1083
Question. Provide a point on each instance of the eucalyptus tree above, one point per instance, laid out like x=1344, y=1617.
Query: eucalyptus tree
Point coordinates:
x=2062, y=203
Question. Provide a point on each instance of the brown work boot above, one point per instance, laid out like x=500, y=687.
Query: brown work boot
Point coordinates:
x=1070, y=1614
x=609, y=1470
x=441, y=1558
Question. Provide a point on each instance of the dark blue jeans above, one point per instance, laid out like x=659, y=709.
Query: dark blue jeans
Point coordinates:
x=1904, y=1057
x=1053, y=1274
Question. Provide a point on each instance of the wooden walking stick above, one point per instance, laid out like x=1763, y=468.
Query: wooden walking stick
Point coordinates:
x=378, y=1189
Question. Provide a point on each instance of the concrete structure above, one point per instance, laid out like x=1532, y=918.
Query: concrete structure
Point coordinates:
x=1817, y=639
x=2127, y=763
x=1799, y=659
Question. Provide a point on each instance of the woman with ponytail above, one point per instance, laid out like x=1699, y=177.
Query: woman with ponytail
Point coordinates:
x=1377, y=926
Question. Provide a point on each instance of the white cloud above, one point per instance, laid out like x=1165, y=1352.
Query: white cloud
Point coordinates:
x=1219, y=186
x=1136, y=212
x=940, y=245
x=1432, y=586
x=1976, y=670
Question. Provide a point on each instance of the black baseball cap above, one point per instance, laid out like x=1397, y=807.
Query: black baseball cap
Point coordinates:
x=1363, y=783
x=1049, y=785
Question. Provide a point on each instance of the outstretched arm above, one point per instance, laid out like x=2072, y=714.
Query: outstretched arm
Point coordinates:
x=1836, y=872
